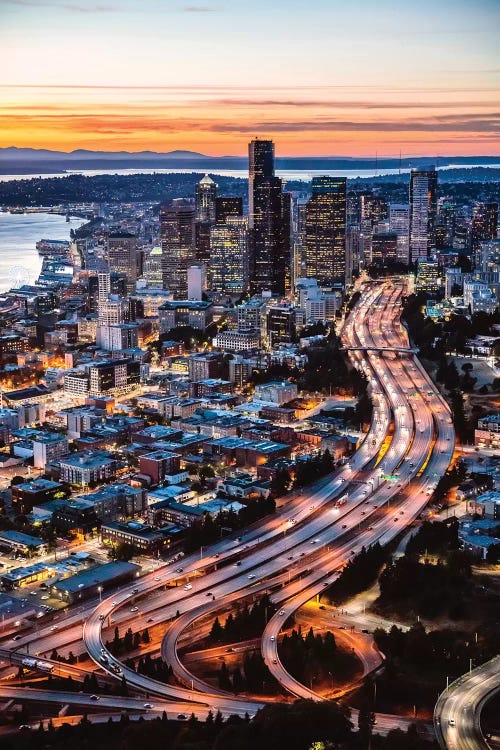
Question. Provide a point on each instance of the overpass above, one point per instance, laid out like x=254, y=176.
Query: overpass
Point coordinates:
x=396, y=349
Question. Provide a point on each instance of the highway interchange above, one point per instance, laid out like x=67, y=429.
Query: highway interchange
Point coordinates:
x=292, y=555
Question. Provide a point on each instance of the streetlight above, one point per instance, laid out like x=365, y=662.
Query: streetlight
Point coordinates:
x=331, y=678
x=99, y=588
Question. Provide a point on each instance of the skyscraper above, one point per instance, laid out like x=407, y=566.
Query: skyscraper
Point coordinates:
x=229, y=258
x=423, y=207
x=177, y=246
x=227, y=206
x=260, y=165
x=270, y=256
x=399, y=223
x=205, y=197
x=326, y=231
x=484, y=223
x=122, y=256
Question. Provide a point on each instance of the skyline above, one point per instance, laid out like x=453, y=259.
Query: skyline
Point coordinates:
x=321, y=80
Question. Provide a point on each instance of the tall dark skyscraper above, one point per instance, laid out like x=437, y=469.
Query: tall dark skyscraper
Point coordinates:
x=423, y=208
x=326, y=231
x=260, y=165
x=269, y=254
x=177, y=247
x=205, y=197
x=269, y=217
x=122, y=256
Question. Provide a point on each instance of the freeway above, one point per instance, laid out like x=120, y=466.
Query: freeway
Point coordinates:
x=458, y=710
x=297, y=551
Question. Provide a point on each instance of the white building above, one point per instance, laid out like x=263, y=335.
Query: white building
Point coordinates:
x=196, y=281
x=276, y=392
x=399, y=224
x=238, y=341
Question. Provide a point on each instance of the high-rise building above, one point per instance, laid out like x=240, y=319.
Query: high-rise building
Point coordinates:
x=122, y=256
x=399, y=224
x=260, y=165
x=229, y=256
x=384, y=248
x=484, y=223
x=177, y=246
x=205, y=197
x=326, y=231
x=197, y=281
x=423, y=209
x=227, y=206
x=270, y=256
x=446, y=212
x=373, y=210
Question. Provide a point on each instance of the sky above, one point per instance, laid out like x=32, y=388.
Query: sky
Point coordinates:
x=319, y=77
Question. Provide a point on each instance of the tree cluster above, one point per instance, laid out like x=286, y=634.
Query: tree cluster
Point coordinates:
x=358, y=574
x=129, y=642
x=247, y=622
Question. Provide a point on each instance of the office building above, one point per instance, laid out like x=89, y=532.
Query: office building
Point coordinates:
x=484, y=223
x=226, y=206
x=446, y=212
x=238, y=341
x=384, y=249
x=423, y=209
x=197, y=281
x=280, y=324
x=177, y=246
x=195, y=313
x=260, y=165
x=399, y=224
x=326, y=231
x=229, y=256
x=87, y=468
x=205, y=197
x=122, y=256
x=270, y=262
x=428, y=276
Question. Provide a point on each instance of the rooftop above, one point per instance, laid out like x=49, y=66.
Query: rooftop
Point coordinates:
x=96, y=576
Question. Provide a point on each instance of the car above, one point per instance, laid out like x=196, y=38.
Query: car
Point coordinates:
x=135, y=591
x=273, y=638
x=451, y=722
x=229, y=650
x=182, y=717
x=150, y=619
x=341, y=627
x=209, y=593
x=16, y=638
x=275, y=661
x=95, y=698
x=54, y=627
x=148, y=705
x=102, y=617
x=114, y=604
x=179, y=570
x=216, y=555
x=134, y=609
x=365, y=630
x=291, y=557
x=157, y=578
x=321, y=606
x=237, y=564
x=24, y=726
x=344, y=526
x=33, y=593
x=103, y=659
x=251, y=575
x=45, y=597
x=188, y=587
x=281, y=612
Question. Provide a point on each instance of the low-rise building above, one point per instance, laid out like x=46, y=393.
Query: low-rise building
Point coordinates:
x=87, y=468
x=142, y=537
x=95, y=582
x=487, y=432
x=36, y=492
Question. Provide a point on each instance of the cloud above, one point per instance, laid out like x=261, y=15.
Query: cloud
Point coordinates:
x=198, y=9
x=74, y=8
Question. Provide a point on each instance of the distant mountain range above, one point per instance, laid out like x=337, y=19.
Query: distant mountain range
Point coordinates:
x=15, y=160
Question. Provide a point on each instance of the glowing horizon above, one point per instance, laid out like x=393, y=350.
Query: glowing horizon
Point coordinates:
x=321, y=80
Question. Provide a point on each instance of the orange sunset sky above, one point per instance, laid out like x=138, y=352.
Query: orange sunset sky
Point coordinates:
x=320, y=78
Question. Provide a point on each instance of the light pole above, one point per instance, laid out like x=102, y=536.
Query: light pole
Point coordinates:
x=331, y=679
x=99, y=588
